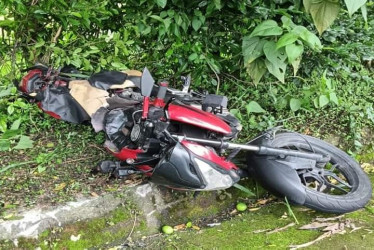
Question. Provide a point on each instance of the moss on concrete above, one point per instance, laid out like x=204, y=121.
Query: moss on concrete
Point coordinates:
x=93, y=233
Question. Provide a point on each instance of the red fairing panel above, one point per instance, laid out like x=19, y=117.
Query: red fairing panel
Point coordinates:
x=127, y=153
x=26, y=79
x=209, y=155
x=198, y=118
x=54, y=115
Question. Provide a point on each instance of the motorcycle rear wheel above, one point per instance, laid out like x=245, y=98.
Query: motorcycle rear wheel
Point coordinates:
x=341, y=186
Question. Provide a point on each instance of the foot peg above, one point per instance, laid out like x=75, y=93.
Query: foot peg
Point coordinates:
x=106, y=167
x=115, y=168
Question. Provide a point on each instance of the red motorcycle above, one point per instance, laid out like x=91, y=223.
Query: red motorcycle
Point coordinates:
x=184, y=140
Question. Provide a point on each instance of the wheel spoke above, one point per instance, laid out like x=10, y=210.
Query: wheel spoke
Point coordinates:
x=332, y=175
x=333, y=167
x=335, y=186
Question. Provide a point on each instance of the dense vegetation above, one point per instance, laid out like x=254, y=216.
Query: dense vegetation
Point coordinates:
x=278, y=64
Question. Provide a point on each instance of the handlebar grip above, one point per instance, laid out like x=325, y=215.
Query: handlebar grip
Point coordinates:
x=162, y=90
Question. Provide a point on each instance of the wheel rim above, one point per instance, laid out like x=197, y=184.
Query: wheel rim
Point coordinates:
x=329, y=178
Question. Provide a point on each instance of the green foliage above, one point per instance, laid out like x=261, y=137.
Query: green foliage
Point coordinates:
x=325, y=12
x=274, y=47
x=225, y=45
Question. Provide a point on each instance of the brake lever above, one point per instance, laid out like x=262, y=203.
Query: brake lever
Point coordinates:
x=187, y=83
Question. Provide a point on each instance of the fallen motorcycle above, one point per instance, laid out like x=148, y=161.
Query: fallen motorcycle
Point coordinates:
x=184, y=139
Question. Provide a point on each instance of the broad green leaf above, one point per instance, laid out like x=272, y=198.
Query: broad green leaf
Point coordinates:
x=256, y=70
x=295, y=104
x=294, y=51
x=252, y=48
x=39, y=44
x=334, y=98
x=41, y=12
x=76, y=14
x=324, y=13
x=167, y=23
x=5, y=92
x=3, y=125
x=354, y=5
x=244, y=189
x=277, y=70
x=267, y=28
x=254, y=107
x=24, y=142
x=286, y=39
x=192, y=57
x=364, y=11
x=218, y=4
x=10, y=134
x=15, y=124
x=307, y=4
x=310, y=39
x=158, y=18
x=196, y=23
x=10, y=109
x=4, y=145
x=287, y=23
x=315, y=101
x=161, y=3
x=275, y=62
x=296, y=65
x=323, y=101
x=236, y=113
x=274, y=55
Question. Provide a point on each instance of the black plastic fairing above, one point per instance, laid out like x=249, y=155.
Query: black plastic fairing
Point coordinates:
x=177, y=169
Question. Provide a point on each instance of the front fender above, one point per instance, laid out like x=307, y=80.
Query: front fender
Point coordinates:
x=278, y=176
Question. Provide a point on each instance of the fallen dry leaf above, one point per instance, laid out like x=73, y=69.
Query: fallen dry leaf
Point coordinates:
x=75, y=238
x=196, y=227
x=94, y=194
x=254, y=209
x=329, y=227
x=263, y=201
x=233, y=212
x=60, y=186
x=180, y=227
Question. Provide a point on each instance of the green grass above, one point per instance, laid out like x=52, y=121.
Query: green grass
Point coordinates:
x=240, y=231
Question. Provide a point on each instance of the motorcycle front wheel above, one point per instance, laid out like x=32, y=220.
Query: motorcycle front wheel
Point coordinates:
x=340, y=186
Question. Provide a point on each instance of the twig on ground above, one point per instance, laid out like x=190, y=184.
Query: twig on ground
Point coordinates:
x=329, y=219
x=54, y=40
x=95, y=146
x=321, y=237
x=80, y=159
x=132, y=229
x=281, y=228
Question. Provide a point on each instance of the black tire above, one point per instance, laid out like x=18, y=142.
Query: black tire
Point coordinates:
x=351, y=198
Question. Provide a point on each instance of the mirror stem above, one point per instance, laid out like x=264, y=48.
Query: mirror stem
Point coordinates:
x=145, y=107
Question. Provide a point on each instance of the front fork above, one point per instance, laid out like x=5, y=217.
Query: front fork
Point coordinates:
x=259, y=150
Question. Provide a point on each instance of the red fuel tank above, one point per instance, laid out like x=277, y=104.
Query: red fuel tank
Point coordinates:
x=198, y=118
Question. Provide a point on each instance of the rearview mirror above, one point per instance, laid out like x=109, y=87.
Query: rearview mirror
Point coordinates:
x=146, y=83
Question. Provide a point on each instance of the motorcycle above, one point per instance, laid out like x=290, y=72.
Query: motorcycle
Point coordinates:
x=185, y=140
